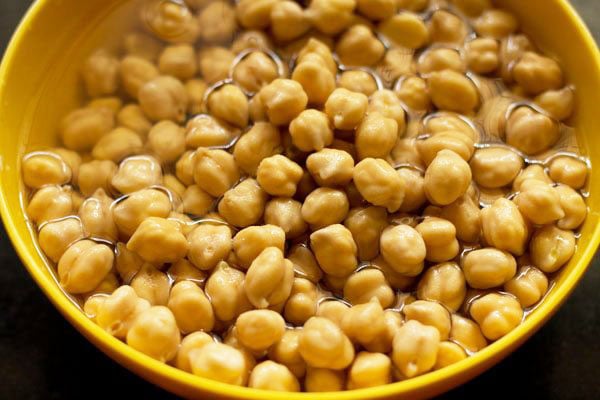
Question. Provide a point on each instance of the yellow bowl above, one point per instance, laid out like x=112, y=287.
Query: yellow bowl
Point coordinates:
x=39, y=84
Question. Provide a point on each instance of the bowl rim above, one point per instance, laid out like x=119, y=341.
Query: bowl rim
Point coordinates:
x=171, y=377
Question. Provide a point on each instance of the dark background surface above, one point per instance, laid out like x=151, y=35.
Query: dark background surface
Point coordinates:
x=43, y=357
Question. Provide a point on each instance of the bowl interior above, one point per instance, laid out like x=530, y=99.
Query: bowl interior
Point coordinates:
x=39, y=83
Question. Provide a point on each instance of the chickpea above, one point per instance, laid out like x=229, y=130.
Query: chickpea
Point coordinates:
x=395, y=279
x=269, y=375
x=269, y=279
x=96, y=217
x=286, y=352
x=358, y=81
x=376, y=136
x=358, y=46
x=366, y=285
x=330, y=167
x=531, y=172
x=286, y=213
x=173, y=22
x=230, y=104
x=415, y=348
x=473, y=8
x=244, y=204
x=569, y=171
x=323, y=344
x=346, y=109
x=429, y=313
x=220, y=362
x=255, y=71
x=551, y=248
x=465, y=215
x=488, y=268
x=452, y=91
x=152, y=285
x=101, y=74
x=206, y=131
x=112, y=103
x=455, y=141
x=184, y=168
x=178, y=61
x=191, y=308
x=331, y=16
x=215, y=171
x=259, y=329
x=49, y=203
x=449, y=353
x=530, y=131
x=137, y=173
x=369, y=370
x=284, y=100
x=82, y=128
x=71, y=158
x=55, y=237
x=302, y=303
x=193, y=341
x=482, y=55
x=84, y=265
x=366, y=225
x=450, y=122
x=387, y=104
x=117, y=145
x=321, y=48
x=504, y=228
x=195, y=89
x=496, y=24
x=512, y=49
x=439, y=236
x=127, y=263
x=118, y=311
x=539, y=202
x=255, y=14
x=288, y=21
x=497, y=314
x=132, y=117
x=209, y=244
x=376, y=9
x=324, y=207
x=133, y=210
x=142, y=45
x=311, y=131
x=250, y=242
x=196, y=201
x=317, y=81
x=185, y=271
x=333, y=310
x=558, y=103
x=439, y=59
x=261, y=141
x=335, y=250
x=379, y=183
x=135, y=73
x=218, y=22
x=214, y=63
x=278, y=175
x=447, y=27
x=467, y=334
x=405, y=30
x=225, y=288
x=415, y=94
x=444, y=283
x=447, y=178
x=537, y=74
x=305, y=263
x=397, y=62
x=403, y=248
x=158, y=241
x=324, y=380
x=529, y=286
x=48, y=168
x=495, y=167
x=573, y=206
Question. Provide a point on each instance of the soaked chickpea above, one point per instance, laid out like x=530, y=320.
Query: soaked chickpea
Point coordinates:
x=208, y=245
x=330, y=167
x=334, y=310
x=142, y=45
x=278, y=175
x=137, y=173
x=447, y=140
x=255, y=71
x=379, y=183
x=218, y=22
x=415, y=93
x=305, y=263
x=551, y=248
x=335, y=250
x=261, y=141
x=244, y=204
x=366, y=285
x=152, y=285
x=284, y=100
x=528, y=286
x=185, y=271
x=287, y=214
x=135, y=72
x=376, y=136
x=573, y=206
x=178, y=61
x=259, y=329
x=358, y=46
x=96, y=217
x=558, y=103
x=539, y=202
x=504, y=227
x=496, y=24
x=55, y=237
x=117, y=145
x=482, y=55
x=465, y=215
x=302, y=303
x=495, y=167
x=84, y=265
x=415, y=348
x=101, y=74
x=403, y=248
x=225, y=288
x=193, y=341
x=496, y=314
x=439, y=236
x=530, y=131
x=196, y=201
x=215, y=171
x=81, y=129
x=431, y=314
x=453, y=91
x=166, y=140
x=324, y=380
x=288, y=21
x=45, y=169
x=449, y=353
x=112, y=103
x=195, y=89
x=440, y=59
x=444, y=283
x=311, y=130
x=134, y=209
x=250, y=242
x=358, y=81
x=331, y=16
x=346, y=109
x=488, y=268
x=531, y=172
x=191, y=308
x=406, y=30
x=173, y=22
x=369, y=370
x=49, y=203
x=569, y=171
x=366, y=225
x=132, y=116
x=324, y=207
x=387, y=104
x=269, y=279
x=214, y=63
x=206, y=131
x=414, y=196
x=447, y=178
x=537, y=74
x=269, y=375
x=467, y=334
x=323, y=344
x=317, y=81
x=286, y=352
x=219, y=362
x=117, y=312
x=446, y=27
x=230, y=104
x=158, y=241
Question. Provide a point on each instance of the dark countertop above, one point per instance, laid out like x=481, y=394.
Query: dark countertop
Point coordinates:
x=43, y=357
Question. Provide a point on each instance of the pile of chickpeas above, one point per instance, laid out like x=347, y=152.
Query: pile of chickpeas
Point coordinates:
x=289, y=197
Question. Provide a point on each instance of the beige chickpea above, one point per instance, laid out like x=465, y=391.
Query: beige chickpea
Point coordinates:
x=287, y=214
x=496, y=23
x=465, y=215
x=558, y=103
x=288, y=21
x=482, y=55
x=497, y=314
x=379, y=183
x=472, y=8
x=324, y=207
x=366, y=285
x=504, y=227
x=250, y=242
x=573, y=206
x=439, y=236
x=207, y=131
x=569, y=171
x=358, y=81
x=133, y=210
x=529, y=286
x=127, y=263
x=311, y=131
x=358, y=46
x=488, y=268
x=444, y=283
x=191, y=308
x=45, y=168
x=319, y=46
x=376, y=136
x=467, y=334
x=530, y=131
x=244, y=204
x=219, y=362
x=255, y=71
x=214, y=63
x=439, y=59
x=323, y=344
x=534, y=171
x=447, y=27
x=333, y=310
x=376, y=9
x=388, y=104
x=415, y=348
x=331, y=16
x=302, y=303
x=195, y=89
x=261, y=141
x=330, y=167
x=172, y=22
x=536, y=73
x=395, y=279
x=158, y=241
x=317, y=81
x=196, y=201
x=453, y=91
x=209, y=244
x=135, y=72
x=431, y=314
x=259, y=329
x=305, y=263
x=218, y=22
x=82, y=128
x=269, y=375
x=142, y=45
x=269, y=279
x=403, y=248
x=166, y=140
x=215, y=171
x=84, y=265
x=117, y=145
x=539, y=202
x=366, y=225
x=152, y=285
x=230, y=104
x=450, y=122
x=55, y=237
x=137, y=173
x=193, y=341
x=96, y=217
x=415, y=93
x=278, y=175
x=495, y=167
x=101, y=74
x=71, y=158
x=184, y=168
x=512, y=49
x=335, y=250
x=406, y=30
x=184, y=271
x=369, y=370
x=551, y=248
x=154, y=332
x=447, y=178
x=132, y=116
x=346, y=109
x=449, y=353
x=50, y=202
x=286, y=352
x=178, y=61
x=284, y=100
x=118, y=311
x=254, y=14
x=225, y=288
x=324, y=380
